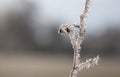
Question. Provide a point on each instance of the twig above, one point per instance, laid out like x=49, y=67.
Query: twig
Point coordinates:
x=76, y=34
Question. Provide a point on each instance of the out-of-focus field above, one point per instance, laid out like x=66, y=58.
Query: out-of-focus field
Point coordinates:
x=52, y=66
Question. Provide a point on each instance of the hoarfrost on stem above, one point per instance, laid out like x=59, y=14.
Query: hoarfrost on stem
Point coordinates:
x=76, y=34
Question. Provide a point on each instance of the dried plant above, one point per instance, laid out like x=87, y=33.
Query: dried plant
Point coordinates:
x=76, y=34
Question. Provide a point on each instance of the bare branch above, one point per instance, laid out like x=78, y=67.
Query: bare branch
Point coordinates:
x=76, y=35
x=88, y=63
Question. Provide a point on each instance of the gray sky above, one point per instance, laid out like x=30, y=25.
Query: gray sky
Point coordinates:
x=100, y=13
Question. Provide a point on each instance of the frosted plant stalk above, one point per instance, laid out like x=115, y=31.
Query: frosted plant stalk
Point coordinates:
x=76, y=34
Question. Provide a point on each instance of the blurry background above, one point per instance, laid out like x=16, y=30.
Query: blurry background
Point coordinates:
x=31, y=47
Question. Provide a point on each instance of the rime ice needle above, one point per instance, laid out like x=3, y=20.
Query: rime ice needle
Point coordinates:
x=76, y=35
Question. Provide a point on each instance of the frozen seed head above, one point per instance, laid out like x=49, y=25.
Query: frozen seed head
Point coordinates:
x=62, y=29
x=67, y=28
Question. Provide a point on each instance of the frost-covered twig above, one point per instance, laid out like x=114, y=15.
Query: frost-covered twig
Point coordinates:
x=76, y=34
x=88, y=63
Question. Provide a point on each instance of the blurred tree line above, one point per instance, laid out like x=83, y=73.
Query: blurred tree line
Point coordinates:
x=17, y=34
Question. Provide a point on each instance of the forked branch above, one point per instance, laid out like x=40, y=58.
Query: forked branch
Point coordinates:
x=76, y=34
